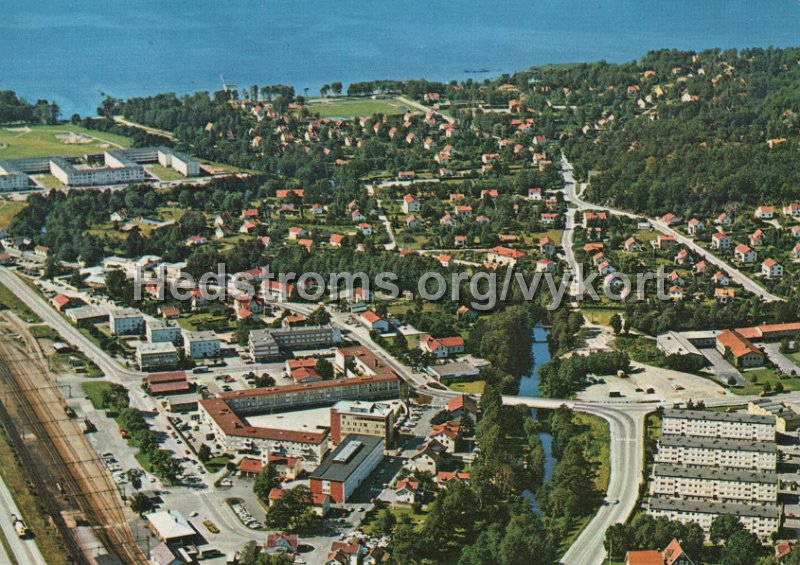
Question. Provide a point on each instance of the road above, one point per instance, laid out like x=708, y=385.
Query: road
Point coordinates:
x=24, y=550
x=626, y=428
x=153, y=131
x=423, y=108
x=735, y=274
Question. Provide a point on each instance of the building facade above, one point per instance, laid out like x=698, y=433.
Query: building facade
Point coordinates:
x=362, y=418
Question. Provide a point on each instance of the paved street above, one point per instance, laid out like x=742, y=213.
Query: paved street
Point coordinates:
x=25, y=551
x=735, y=274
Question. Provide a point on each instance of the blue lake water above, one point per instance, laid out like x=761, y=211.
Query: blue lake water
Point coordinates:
x=74, y=51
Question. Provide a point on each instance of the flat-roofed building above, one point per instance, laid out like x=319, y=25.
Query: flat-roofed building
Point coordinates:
x=676, y=343
x=183, y=402
x=786, y=419
x=262, y=345
x=201, y=345
x=88, y=314
x=160, y=331
x=235, y=435
x=267, y=343
x=178, y=161
x=726, y=485
x=363, y=418
x=125, y=321
x=160, y=355
x=343, y=471
x=761, y=519
x=170, y=526
x=730, y=425
x=313, y=394
x=717, y=452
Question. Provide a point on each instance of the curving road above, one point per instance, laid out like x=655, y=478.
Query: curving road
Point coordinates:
x=735, y=274
x=626, y=430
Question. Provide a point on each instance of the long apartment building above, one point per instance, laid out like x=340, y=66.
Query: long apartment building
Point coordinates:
x=709, y=483
x=268, y=343
x=234, y=434
x=714, y=452
x=761, y=519
x=717, y=463
x=733, y=425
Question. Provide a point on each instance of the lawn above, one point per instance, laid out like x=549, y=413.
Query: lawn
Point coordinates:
x=95, y=392
x=41, y=141
x=44, y=332
x=757, y=378
x=9, y=209
x=48, y=181
x=348, y=108
x=10, y=300
x=164, y=173
x=472, y=387
x=401, y=513
x=601, y=316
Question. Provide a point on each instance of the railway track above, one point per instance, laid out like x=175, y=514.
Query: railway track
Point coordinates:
x=64, y=470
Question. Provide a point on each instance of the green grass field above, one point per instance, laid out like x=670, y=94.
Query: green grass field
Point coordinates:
x=41, y=141
x=348, y=108
x=164, y=173
x=757, y=378
x=12, y=302
x=95, y=392
x=9, y=209
x=475, y=387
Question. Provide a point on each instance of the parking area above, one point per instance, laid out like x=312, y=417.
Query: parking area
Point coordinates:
x=648, y=383
x=722, y=369
x=783, y=363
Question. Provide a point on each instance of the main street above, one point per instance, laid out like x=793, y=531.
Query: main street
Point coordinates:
x=571, y=196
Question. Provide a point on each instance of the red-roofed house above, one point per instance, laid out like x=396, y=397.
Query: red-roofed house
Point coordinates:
x=281, y=542
x=771, y=269
x=504, y=256
x=410, y=204
x=720, y=241
x=442, y=347
x=744, y=254
x=764, y=212
x=458, y=406
x=373, y=322
x=408, y=490
x=644, y=557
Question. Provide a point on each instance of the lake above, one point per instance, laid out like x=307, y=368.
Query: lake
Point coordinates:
x=72, y=52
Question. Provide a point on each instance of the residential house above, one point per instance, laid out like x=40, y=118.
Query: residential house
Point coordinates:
x=720, y=279
x=757, y=238
x=281, y=543
x=549, y=217
x=723, y=295
x=447, y=434
x=771, y=269
x=683, y=257
x=720, y=241
x=410, y=204
x=792, y=210
x=744, y=254
x=670, y=219
x=462, y=405
x=695, y=226
x=445, y=260
x=427, y=459
x=664, y=241
x=535, y=194
x=723, y=220
x=632, y=245
x=504, y=256
x=742, y=353
x=796, y=251
x=296, y=233
x=460, y=241
x=547, y=247
x=365, y=228
x=408, y=490
x=676, y=293
x=412, y=222
x=545, y=266
x=357, y=216
x=336, y=240
x=443, y=347
x=764, y=212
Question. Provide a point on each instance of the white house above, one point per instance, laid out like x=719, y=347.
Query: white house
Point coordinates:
x=771, y=269
x=744, y=254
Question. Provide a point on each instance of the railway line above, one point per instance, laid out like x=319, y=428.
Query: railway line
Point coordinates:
x=66, y=474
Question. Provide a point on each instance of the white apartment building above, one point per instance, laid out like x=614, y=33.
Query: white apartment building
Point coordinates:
x=713, y=452
x=266, y=344
x=161, y=355
x=262, y=345
x=201, y=345
x=733, y=425
x=125, y=321
x=760, y=519
x=161, y=331
x=726, y=485
x=235, y=435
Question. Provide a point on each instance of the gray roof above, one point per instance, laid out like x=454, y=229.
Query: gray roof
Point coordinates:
x=705, y=507
x=717, y=443
x=673, y=343
x=778, y=409
x=714, y=473
x=333, y=470
x=158, y=347
x=200, y=336
x=740, y=417
x=261, y=337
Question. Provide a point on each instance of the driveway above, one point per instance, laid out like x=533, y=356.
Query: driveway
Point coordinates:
x=783, y=363
x=723, y=370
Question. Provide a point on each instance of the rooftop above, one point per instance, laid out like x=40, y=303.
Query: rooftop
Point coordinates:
x=739, y=417
x=713, y=473
x=705, y=507
x=716, y=443
x=348, y=457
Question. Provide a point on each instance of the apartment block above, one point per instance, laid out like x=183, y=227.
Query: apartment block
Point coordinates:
x=364, y=418
x=713, y=452
x=726, y=485
x=162, y=331
x=161, y=355
x=126, y=321
x=201, y=345
x=733, y=425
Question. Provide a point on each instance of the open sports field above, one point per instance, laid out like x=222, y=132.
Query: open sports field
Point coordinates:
x=348, y=108
x=62, y=140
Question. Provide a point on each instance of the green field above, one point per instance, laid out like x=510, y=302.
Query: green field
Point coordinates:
x=95, y=392
x=348, y=108
x=757, y=378
x=9, y=209
x=473, y=387
x=41, y=141
x=11, y=301
x=165, y=173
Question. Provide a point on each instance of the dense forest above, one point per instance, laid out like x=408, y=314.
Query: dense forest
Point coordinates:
x=15, y=109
